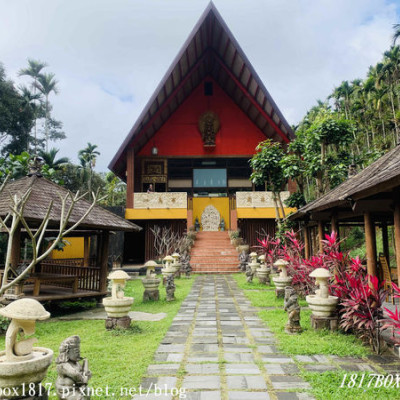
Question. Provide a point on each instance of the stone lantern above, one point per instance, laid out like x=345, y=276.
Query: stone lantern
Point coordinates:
x=21, y=364
x=283, y=279
x=118, y=306
x=168, y=269
x=176, y=263
x=263, y=272
x=151, y=282
x=322, y=305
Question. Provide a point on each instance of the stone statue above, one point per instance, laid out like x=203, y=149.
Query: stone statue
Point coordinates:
x=291, y=306
x=244, y=259
x=249, y=274
x=73, y=377
x=209, y=126
x=185, y=261
x=170, y=288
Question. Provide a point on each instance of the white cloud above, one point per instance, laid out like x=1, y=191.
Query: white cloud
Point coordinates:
x=110, y=55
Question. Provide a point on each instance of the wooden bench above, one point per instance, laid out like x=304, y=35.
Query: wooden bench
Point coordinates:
x=38, y=279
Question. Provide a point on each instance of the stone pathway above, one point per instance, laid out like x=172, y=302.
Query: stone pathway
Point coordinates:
x=218, y=349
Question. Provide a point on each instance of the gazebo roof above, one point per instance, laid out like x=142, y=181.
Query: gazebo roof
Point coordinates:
x=381, y=176
x=44, y=191
x=210, y=51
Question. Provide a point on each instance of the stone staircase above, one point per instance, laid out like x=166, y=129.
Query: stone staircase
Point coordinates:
x=213, y=253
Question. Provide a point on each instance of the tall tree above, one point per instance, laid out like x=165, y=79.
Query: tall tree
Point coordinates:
x=34, y=69
x=47, y=84
x=87, y=157
x=49, y=158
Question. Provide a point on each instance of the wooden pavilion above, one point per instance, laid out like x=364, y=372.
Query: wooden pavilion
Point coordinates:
x=370, y=198
x=63, y=279
x=194, y=139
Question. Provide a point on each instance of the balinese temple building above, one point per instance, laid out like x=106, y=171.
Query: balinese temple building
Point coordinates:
x=193, y=142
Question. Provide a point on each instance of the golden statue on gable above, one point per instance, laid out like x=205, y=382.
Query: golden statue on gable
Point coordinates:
x=209, y=126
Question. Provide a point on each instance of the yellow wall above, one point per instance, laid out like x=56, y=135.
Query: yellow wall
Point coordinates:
x=156, y=213
x=72, y=250
x=220, y=203
x=267, y=212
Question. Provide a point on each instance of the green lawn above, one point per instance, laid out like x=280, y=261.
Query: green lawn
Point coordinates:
x=117, y=359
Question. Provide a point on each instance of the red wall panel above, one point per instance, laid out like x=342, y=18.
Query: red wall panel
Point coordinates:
x=180, y=135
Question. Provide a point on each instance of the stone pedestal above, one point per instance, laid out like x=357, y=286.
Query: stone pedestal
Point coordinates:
x=151, y=294
x=280, y=285
x=292, y=330
x=331, y=323
x=263, y=276
x=115, y=322
x=151, y=291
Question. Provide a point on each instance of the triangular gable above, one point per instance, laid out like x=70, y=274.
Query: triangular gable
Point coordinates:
x=210, y=50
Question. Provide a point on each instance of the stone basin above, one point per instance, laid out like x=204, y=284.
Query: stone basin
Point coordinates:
x=13, y=374
x=281, y=283
x=151, y=283
x=116, y=308
x=322, y=307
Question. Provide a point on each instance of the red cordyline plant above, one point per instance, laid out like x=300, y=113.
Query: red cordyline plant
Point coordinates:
x=271, y=248
x=393, y=317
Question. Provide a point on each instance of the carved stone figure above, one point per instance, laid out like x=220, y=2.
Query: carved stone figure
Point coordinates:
x=249, y=274
x=186, y=267
x=291, y=306
x=73, y=376
x=210, y=219
x=244, y=259
x=209, y=126
x=170, y=288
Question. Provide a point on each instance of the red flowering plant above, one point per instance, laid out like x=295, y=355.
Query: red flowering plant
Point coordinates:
x=271, y=248
x=393, y=317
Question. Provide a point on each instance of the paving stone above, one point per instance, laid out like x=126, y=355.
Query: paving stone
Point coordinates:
x=260, y=332
x=282, y=369
x=153, y=396
x=203, y=369
x=286, y=382
x=162, y=369
x=319, y=367
x=358, y=367
x=277, y=358
x=269, y=340
x=293, y=396
x=241, y=369
x=166, y=382
x=239, y=357
x=205, y=339
x=203, y=395
x=165, y=357
x=208, y=357
x=239, y=395
x=234, y=340
x=267, y=349
x=313, y=359
x=246, y=382
x=204, y=348
x=201, y=382
x=352, y=360
x=171, y=348
x=231, y=348
x=383, y=359
x=174, y=340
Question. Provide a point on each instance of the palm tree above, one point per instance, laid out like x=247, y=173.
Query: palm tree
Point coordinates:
x=396, y=33
x=34, y=69
x=49, y=158
x=87, y=157
x=47, y=84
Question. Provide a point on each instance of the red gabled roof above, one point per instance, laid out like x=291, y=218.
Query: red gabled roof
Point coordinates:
x=210, y=50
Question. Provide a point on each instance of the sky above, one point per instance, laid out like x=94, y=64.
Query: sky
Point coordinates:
x=109, y=55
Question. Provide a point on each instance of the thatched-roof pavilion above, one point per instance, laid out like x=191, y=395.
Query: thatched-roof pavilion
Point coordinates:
x=370, y=198
x=90, y=280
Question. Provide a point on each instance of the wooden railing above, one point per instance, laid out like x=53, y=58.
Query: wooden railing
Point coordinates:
x=89, y=277
x=78, y=262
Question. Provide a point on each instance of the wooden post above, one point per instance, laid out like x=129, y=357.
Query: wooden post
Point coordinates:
x=130, y=177
x=385, y=242
x=320, y=236
x=396, y=218
x=335, y=225
x=86, y=251
x=103, y=253
x=370, y=244
x=307, y=250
